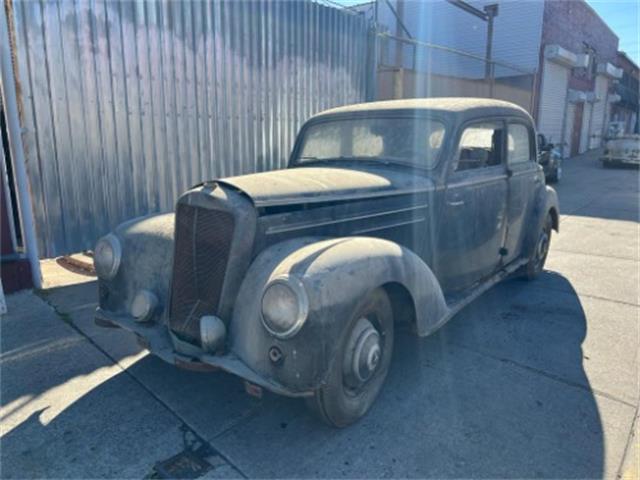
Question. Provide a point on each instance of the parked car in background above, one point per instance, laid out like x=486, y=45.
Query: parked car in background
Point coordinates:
x=622, y=150
x=550, y=159
x=295, y=280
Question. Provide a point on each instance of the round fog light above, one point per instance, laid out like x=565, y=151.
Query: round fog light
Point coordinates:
x=143, y=305
x=212, y=333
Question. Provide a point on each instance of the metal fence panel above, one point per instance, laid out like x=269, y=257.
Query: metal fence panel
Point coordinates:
x=126, y=104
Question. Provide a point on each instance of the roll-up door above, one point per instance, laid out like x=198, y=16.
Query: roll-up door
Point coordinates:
x=553, y=96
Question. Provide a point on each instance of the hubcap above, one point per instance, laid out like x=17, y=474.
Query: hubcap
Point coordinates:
x=363, y=354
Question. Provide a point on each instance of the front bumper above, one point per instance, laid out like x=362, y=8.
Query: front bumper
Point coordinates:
x=159, y=341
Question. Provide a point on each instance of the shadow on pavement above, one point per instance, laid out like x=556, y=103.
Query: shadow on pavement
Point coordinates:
x=498, y=392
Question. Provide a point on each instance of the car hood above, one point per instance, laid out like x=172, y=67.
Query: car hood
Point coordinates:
x=322, y=184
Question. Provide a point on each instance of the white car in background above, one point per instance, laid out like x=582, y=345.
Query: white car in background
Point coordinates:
x=624, y=149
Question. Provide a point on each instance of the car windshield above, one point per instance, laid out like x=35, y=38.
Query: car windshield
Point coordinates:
x=411, y=141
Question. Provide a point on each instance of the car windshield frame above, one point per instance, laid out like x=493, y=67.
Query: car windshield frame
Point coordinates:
x=295, y=158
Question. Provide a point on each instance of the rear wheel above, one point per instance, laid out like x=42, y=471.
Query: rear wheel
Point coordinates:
x=539, y=257
x=361, y=364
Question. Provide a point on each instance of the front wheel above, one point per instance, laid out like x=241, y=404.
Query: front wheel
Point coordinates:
x=361, y=364
x=536, y=262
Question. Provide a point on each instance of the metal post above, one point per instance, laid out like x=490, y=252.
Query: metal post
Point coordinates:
x=374, y=59
x=487, y=14
x=399, y=29
x=491, y=12
x=8, y=92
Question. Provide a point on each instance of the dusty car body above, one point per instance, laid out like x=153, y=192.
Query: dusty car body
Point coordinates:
x=399, y=211
x=550, y=160
x=622, y=150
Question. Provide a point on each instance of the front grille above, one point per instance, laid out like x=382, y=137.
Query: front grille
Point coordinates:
x=203, y=241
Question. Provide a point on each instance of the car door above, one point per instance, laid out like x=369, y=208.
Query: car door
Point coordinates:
x=473, y=221
x=525, y=176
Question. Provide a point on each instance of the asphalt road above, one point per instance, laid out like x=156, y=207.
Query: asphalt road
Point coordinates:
x=533, y=379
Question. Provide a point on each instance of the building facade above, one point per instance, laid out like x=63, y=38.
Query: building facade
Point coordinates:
x=577, y=71
x=625, y=110
x=560, y=53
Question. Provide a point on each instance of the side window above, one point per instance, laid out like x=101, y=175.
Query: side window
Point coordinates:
x=480, y=146
x=518, y=146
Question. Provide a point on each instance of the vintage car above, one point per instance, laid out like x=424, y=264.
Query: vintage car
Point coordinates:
x=295, y=280
x=550, y=159
x=621, y=150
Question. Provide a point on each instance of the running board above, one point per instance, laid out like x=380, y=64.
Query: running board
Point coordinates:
x=475, y=292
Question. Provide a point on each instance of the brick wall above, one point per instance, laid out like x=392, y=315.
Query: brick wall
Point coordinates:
x=574, y=25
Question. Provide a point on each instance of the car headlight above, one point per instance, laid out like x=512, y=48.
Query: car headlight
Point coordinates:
x=107, y=256
x=285, y=306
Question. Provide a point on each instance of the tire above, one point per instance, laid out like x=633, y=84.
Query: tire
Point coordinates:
x=536, y=263
x=345, y=398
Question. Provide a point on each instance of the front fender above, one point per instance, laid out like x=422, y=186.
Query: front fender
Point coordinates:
x=336, y=274
x=147, y=258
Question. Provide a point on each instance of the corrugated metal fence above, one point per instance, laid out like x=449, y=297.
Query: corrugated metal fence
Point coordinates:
x=126, y=104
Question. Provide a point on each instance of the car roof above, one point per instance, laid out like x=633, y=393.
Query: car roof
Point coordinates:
x=461, y=107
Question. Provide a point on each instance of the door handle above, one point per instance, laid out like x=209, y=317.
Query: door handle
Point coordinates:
x=457, y=203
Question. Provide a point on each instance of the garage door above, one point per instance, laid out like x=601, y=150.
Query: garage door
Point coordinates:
x=599, y=111
x=552, y=100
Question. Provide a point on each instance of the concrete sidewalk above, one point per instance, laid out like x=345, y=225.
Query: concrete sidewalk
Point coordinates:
x=532, y=380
